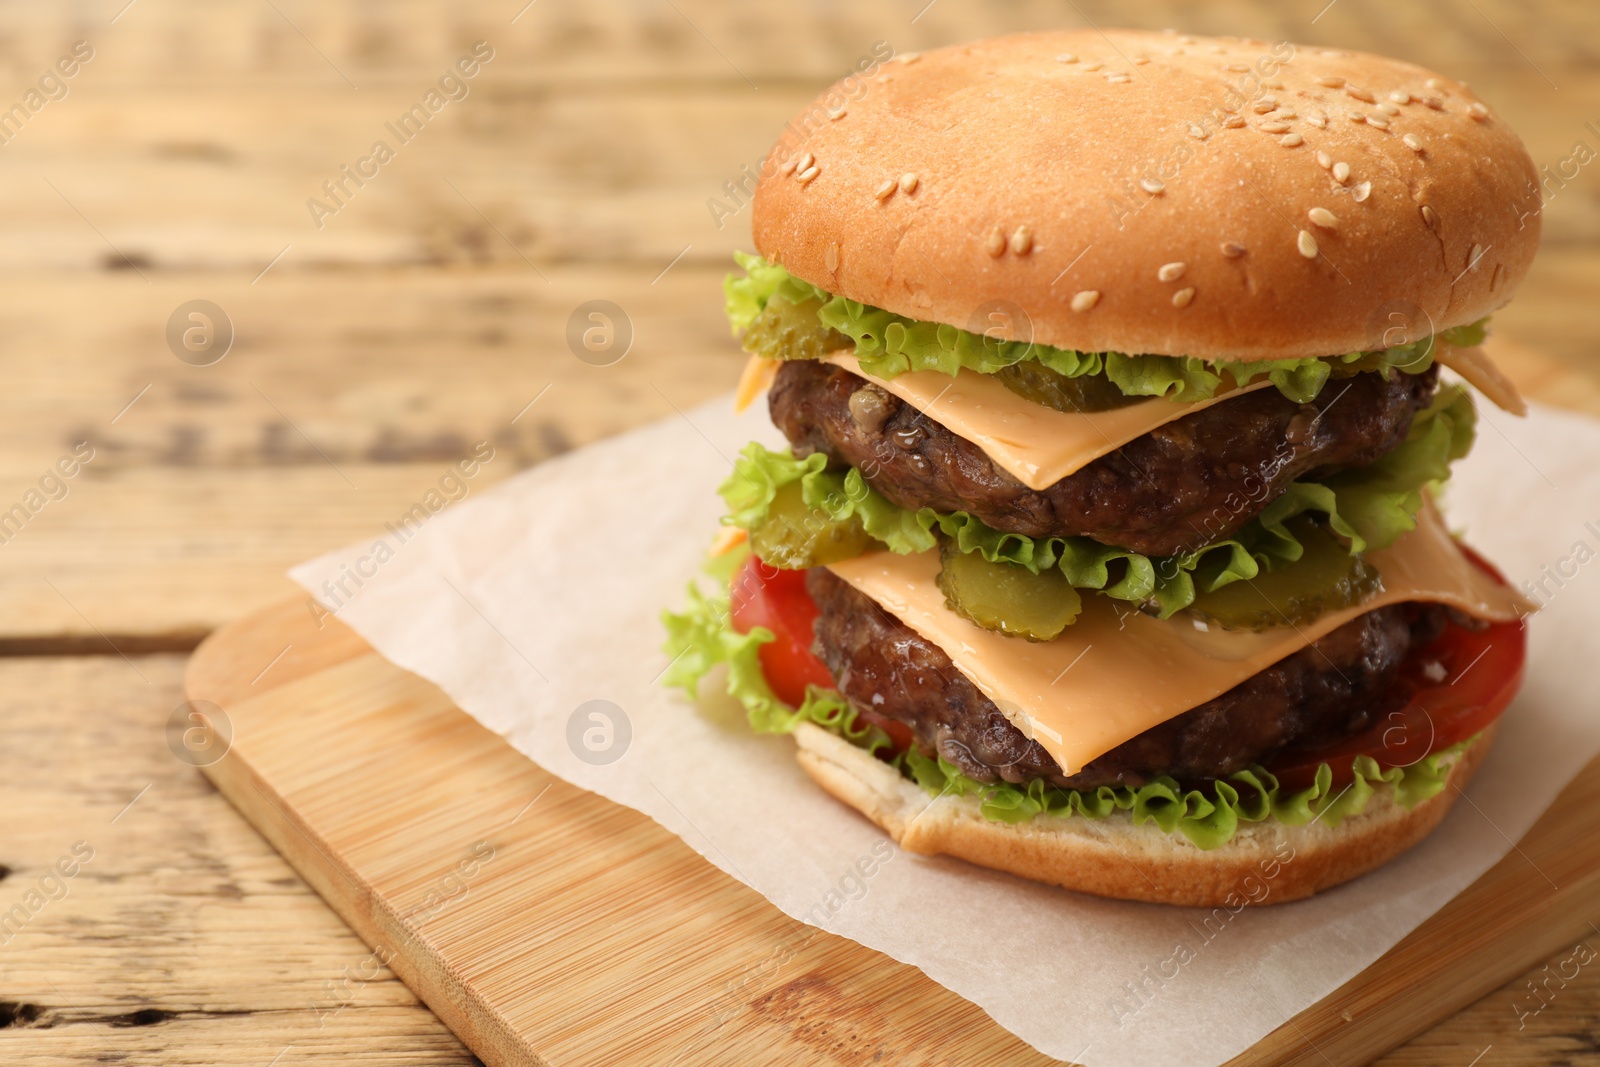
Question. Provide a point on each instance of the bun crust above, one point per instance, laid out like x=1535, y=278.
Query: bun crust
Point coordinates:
x=1044, y=167
x=1113, y=857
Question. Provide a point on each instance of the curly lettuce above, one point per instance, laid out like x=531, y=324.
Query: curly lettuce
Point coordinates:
x=1370, y=507
x=701, y=638
x=888, y=345
x=1210, y=816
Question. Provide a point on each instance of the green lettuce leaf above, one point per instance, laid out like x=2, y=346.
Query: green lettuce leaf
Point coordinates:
x=1210, y=816
x=1371, y=506
x=888, y=345
x=701, y=638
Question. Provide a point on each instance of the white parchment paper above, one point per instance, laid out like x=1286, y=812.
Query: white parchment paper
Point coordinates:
x=543, y=594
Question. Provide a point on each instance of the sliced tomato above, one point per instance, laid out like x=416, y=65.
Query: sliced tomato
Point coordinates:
x=1452, y=689
x=763, y=595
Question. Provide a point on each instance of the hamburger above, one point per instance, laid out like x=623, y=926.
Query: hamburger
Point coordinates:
x=1107, y=549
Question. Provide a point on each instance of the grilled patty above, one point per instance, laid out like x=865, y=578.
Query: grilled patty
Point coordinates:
x=1182, y=486
x=1326, y=691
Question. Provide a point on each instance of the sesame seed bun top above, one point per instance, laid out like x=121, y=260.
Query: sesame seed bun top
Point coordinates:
x=1144, y=192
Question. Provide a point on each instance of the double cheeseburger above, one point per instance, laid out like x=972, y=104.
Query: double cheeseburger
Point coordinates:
x=1105, y=550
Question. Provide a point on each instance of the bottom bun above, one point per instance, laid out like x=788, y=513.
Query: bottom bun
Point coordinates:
x=1263, y=863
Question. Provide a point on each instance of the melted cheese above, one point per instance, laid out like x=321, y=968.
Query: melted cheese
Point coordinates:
x=1117, y=672
x=1035, y=444
x=1474, y=365
x=755, y=379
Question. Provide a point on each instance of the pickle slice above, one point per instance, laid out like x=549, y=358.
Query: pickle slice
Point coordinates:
x=1325, y=578
x=792, y=331
x=1033, y=381
x=1006, y=597
x=794, y=535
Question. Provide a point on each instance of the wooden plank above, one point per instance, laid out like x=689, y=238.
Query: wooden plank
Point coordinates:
x=185, y=940
x=375, y=787
x=191, y=40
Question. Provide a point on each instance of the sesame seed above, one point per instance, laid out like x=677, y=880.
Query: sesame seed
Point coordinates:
x=1430, y=216
x=1232, y=249
x=1186, y=39
x=1413, y=142
x=1358, y=118
x=1272, y=83
x=1022, y=241
x=1330, y=81
x=1264, y=105
x=1233, y=122
x=1341, y=172
x=809, y=173
x=1291, y=140
x=1086, y=300
x=1434, y=83
x=910, y=57
x=1307, y=244
x=1361, y=192
x=1118, y=78
x=1377, y=123
x=1388, y=109
x=1290, y=114
x=1273, y=127
x=996, y=245
x=806, y=159
x=1319, y=121
x=888, y=187
x=1400, y=97
x=830, y=257
x=1182, y=297
x=1435, y=103
x=1363, y=95
x=1324, y=160
x=1197, y=133
x=1321, y=216
x=908, y=183
x=1140, y=61
x=1066, y=57
x=789, y=165
x=1171, y=272
x=1092, y=67
x=1475, y=257
x=836, y=114
x=1238, y=68
x=1151, y=186
x=1477, y=111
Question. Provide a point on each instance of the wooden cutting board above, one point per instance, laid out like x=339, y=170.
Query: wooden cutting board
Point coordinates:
x=546, y=925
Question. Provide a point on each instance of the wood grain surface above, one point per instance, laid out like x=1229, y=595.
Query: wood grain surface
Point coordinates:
x=420, y=320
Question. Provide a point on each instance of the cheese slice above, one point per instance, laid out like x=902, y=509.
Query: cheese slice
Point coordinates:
x=1474, y=365
x=1117, y=672
x=1035, y=444
x=755, y=379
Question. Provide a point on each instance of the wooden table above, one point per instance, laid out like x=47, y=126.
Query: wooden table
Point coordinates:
x=424, y=316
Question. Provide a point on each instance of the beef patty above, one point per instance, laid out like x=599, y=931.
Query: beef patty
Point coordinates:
x=1328, y=690
x=1164, y=493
